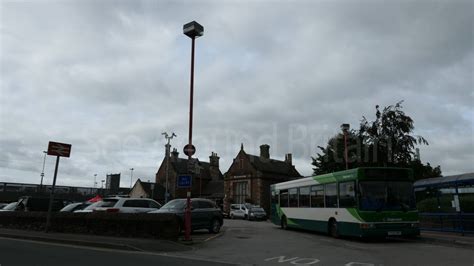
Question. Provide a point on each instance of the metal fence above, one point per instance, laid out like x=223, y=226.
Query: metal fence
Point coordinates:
x=448, y=222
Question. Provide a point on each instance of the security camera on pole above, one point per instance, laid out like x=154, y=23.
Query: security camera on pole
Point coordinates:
x=192, y=30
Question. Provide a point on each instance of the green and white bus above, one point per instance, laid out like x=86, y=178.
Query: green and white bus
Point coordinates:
x=361, y=202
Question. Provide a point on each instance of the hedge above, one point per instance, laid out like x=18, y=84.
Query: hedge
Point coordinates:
x=142, y=225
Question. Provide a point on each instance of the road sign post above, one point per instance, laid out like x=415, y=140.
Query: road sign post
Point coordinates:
x=59, y=150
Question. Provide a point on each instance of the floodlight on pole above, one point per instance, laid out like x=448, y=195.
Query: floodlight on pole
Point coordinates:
x=131, y=176
x=345, y=129
x=42, y=172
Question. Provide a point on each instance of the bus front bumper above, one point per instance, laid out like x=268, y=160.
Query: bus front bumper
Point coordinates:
x=390, y=230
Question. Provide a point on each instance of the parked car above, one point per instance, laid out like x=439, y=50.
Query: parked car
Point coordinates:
x=257, y=213
x=123, y=205
x=204, y=214
x=10, y=207
x=75, y=206
x=28, y=204
x=239, y=211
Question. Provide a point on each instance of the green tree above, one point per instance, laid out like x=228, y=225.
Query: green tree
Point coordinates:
x=386, y=141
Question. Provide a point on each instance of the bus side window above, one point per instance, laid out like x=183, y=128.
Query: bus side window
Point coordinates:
x=304, y=197
x=331, y=195
x=347, y=195
x=293, y=196
x=284, y=198
x=317, y=197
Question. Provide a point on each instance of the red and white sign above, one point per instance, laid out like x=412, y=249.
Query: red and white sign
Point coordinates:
x=189, y=149
x=59, y=149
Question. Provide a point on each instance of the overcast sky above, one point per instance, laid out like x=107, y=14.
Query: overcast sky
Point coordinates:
x=110, y=76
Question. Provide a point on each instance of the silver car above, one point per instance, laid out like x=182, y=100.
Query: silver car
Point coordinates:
x=123, y=205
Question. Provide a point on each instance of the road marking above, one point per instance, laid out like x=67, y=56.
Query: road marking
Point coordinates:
x=359, y=264
x=212, y=237
x=295, y=260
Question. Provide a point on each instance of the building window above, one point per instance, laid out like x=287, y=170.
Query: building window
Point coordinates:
x=331, y=195
x=293, y=197
x=240, y=192
x=317, y=197
x=304, y=197
x=347, y=195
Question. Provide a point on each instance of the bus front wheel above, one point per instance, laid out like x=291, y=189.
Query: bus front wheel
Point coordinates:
x=284, y=223
x=332, y=228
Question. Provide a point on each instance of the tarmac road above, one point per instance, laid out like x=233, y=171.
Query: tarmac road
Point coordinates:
x=26, y=252
x=262, y=243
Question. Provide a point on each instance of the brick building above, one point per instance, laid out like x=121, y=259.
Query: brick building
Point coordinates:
x=249, y=177
x=208, y=182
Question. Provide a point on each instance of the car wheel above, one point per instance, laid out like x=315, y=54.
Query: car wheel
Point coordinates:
x=232, y=216
x=333, y=230
x=215, y=226
x=245, y=217
x=284, y=223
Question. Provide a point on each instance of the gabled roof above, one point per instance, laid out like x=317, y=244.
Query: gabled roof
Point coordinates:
x=181, y=167
x=153, y=189
x=272, y=166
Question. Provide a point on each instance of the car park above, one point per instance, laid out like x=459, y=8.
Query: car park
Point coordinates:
x=204, y=214
x=75, y=206
x=123, y=205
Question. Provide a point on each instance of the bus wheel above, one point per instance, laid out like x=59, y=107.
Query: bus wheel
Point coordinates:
x=332, y=228
x=284, y=223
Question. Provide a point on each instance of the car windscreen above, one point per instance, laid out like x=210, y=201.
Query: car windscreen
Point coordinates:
x=174, y=204
x=257, y=210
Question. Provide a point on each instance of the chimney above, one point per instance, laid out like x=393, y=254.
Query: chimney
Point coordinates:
x=265, y=152
x=174, y=155
x=289, y=159
x=214, y=160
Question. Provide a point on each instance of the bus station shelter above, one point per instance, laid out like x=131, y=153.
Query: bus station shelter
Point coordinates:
x=446, y=203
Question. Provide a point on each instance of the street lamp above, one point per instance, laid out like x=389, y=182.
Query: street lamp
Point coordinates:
x=192, y=30
x=42, y=172
x=345, y=129
x=168, y=146
x=131, y=177
x=95, y=180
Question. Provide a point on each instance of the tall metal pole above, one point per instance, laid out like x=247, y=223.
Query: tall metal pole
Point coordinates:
x=131, y=177
x=42, y=172
x=187, y=231
x=51, y=197
x=345, y=149
x=95, y=180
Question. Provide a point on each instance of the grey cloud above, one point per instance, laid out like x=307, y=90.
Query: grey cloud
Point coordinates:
x=109, y=77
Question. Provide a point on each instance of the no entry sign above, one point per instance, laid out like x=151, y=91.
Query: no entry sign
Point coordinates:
x=189, y=150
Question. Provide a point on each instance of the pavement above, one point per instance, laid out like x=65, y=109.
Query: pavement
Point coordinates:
x=452, y=239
